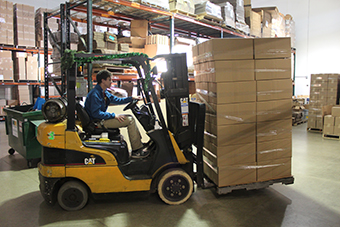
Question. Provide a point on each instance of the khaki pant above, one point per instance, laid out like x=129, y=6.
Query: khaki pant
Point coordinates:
x=129, y=122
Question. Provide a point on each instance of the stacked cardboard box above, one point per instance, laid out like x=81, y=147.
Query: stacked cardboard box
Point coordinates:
x=209, y=10
x=156, y=45
x=290, y=29
x=225, y=81
x=24, y=94
x=56, y=53
x=331, y=125
x=39, y=26
x=24, y=29
x=246, y=87
x=323, y=95
x=185, y=6
x=239, y=12
x=6, y=22
x=6, y=66
x=273, y=108
x=139, y=32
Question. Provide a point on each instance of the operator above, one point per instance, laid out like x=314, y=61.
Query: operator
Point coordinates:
x=96, y=104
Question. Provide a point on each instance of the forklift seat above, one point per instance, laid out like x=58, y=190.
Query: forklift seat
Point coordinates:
x=91, y=127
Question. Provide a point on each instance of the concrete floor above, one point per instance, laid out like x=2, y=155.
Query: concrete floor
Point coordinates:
x=313, y=200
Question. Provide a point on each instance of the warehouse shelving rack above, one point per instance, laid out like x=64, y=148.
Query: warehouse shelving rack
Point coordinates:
x=122, y=11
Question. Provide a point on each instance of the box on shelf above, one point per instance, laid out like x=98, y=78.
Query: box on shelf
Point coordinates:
x=39, y=26
x=209, y=10
x=156, y=49
x=157, y=39
x=254, y=22
x=24, y=26
x=6, y=22
x=228, y=13
x=6, y=66
x=185, y=6
x=139, y=28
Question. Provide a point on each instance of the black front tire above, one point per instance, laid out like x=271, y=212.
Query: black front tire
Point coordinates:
x=175, y=186
x=11, y=151
x=72, y=196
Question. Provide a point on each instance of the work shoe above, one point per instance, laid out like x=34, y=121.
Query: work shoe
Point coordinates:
x=140, y=153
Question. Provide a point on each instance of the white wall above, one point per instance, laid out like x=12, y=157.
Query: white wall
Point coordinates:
x=49, y=4
x=317, y=36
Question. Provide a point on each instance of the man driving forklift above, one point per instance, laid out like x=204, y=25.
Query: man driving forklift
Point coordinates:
x=96, y=104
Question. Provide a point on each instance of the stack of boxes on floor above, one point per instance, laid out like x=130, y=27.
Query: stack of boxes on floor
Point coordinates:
x=323, y=95
x=332, y=123
x=246, y=87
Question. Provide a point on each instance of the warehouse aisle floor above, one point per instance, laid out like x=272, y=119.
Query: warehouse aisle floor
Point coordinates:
x=313, y=200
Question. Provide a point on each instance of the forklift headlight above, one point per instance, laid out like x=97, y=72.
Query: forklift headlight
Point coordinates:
x=54, y=110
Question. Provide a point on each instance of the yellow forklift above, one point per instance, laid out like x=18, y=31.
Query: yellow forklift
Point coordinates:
x=78, y=162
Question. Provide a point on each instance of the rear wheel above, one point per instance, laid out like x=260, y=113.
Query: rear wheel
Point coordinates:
x=175, y=186
x=72, y=196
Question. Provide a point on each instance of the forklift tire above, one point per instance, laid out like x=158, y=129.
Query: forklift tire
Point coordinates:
x=175, y=186
x=72, y=196
x=11, y=151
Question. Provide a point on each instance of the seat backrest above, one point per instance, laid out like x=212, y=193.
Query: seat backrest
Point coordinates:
x=83, y=117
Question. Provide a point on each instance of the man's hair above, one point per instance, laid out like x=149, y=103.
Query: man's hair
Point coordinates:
x=102, y=75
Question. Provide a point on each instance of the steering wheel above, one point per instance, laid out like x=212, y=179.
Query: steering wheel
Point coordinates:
x=131, y=105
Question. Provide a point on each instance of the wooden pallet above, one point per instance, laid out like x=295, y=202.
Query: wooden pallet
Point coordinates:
x=299, y=122
x=331, y=137
x=317, y=130
x=184, y=13
x=209, y=18
x=256, y=185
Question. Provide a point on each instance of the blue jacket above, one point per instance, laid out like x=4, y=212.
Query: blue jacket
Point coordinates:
x=96, y=106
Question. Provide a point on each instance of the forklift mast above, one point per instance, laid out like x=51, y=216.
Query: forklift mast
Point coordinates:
x=176, y=94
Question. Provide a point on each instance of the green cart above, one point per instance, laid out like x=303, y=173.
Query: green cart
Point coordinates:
x=21, y=125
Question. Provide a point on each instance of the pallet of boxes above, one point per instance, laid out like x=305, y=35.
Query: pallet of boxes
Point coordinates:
x=323, y=96
x=247, y=89
x=331, y=127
